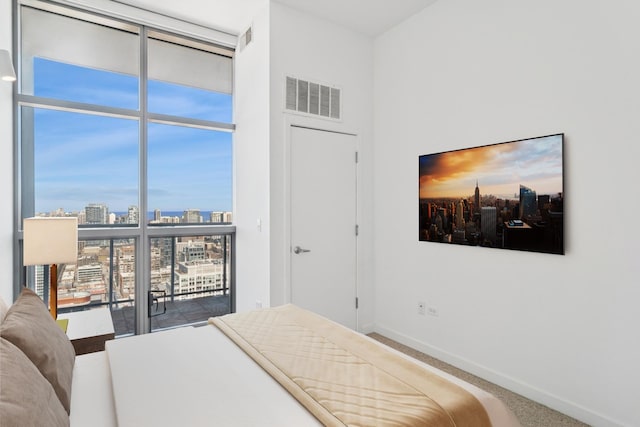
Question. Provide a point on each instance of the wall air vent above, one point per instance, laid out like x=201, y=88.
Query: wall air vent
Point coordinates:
x=246, y=38
x=312, y=98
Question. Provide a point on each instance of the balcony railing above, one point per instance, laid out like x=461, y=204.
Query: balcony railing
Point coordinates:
x=195, y=274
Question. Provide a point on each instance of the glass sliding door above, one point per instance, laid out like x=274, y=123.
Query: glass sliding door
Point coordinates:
x=190, y=279
x=128, y=129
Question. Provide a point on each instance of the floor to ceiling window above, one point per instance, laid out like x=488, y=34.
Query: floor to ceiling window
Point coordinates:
x=129, y=129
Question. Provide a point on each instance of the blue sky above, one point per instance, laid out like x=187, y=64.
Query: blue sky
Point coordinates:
x=82, y=158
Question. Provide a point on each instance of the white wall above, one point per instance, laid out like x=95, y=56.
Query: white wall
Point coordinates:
x=314, y=49
x=560, y=329
x=251, y=163
x=6, y=164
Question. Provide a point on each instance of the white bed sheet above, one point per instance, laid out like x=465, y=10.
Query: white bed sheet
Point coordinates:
x=91, y=393
x=197, y=376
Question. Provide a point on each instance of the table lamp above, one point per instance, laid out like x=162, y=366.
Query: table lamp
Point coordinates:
x=52, y=241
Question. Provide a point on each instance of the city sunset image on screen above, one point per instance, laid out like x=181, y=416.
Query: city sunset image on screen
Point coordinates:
x=507, y=195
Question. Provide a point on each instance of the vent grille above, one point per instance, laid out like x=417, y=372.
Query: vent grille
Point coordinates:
x=246, y=38
x=312, y=98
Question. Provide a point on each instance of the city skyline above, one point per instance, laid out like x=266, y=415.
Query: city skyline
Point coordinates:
x=507, y=195
x=498, y=169
x=100, y=213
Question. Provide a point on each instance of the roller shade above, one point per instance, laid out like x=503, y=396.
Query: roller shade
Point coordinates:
x=101, y=43
x=76, y=42
x=173, y=63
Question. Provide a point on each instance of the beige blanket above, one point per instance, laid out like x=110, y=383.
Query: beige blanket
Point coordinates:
x=342, y=377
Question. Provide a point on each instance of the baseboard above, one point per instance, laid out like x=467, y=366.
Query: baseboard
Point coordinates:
x=548, y=399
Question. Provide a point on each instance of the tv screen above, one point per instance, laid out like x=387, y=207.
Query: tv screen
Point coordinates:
x=507, y=195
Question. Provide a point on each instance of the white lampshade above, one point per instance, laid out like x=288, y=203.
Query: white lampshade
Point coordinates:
x=6, y=67
x=50, y=241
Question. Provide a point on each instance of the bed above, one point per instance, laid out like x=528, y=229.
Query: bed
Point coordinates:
x=196, y=376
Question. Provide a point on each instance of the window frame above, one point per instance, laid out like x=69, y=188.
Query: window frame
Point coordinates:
x=168, y=29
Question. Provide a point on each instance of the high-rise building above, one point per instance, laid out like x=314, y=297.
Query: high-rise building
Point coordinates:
x=460, y=215
x=90, y=273
x=477, y=198
x=125, y=270
x=170, y=220
x=39, y=286
x=157, y=215
x=488, y=223
x=133, y=215
x=433, y=232
x=443, y=224
x=459, y=236
x=190, y=251
x=439, y=225
x=202, y=275
x=191, y=216
x=162, y=247
x=528, y=202
x=161, y=258
x=544, y=202
x=216, y=217
x=220, y=217
x=82, y=217
x=96, y=213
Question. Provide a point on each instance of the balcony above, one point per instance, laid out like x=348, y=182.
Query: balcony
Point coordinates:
x=189, y=278
x=179, y=313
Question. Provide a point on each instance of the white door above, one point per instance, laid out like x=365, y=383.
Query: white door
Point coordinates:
x=323, y=223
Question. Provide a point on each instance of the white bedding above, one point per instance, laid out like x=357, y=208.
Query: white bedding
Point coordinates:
x=197, y=376
x=91, y=392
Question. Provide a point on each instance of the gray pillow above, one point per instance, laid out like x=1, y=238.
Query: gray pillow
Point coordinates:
x=30, y=327
x=26, y=397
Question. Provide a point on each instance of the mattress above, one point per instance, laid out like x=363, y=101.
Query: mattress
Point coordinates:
x=198, y=376
x=195, y=377
x=345, y=379
x=92, y=395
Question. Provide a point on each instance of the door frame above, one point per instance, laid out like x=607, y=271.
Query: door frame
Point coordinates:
x=289, y=123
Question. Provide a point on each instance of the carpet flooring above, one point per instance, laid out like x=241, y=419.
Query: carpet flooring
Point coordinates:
x=530, y=413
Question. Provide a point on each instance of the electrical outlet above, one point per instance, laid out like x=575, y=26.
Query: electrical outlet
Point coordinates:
x=432, y=311
x=422, y=307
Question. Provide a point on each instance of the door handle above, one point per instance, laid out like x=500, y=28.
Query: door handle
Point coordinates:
x=299, y=250
x=152, y=299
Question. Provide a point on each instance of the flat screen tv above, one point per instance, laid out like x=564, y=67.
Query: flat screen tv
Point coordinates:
x=507, y=195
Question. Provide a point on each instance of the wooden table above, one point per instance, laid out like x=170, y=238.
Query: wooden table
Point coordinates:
x=88, y=330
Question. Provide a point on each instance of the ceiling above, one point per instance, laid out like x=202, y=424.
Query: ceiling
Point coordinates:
x=369, y=17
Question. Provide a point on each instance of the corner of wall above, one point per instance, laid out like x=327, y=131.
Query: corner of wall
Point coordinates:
x=251, y=165
x=6, y=162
